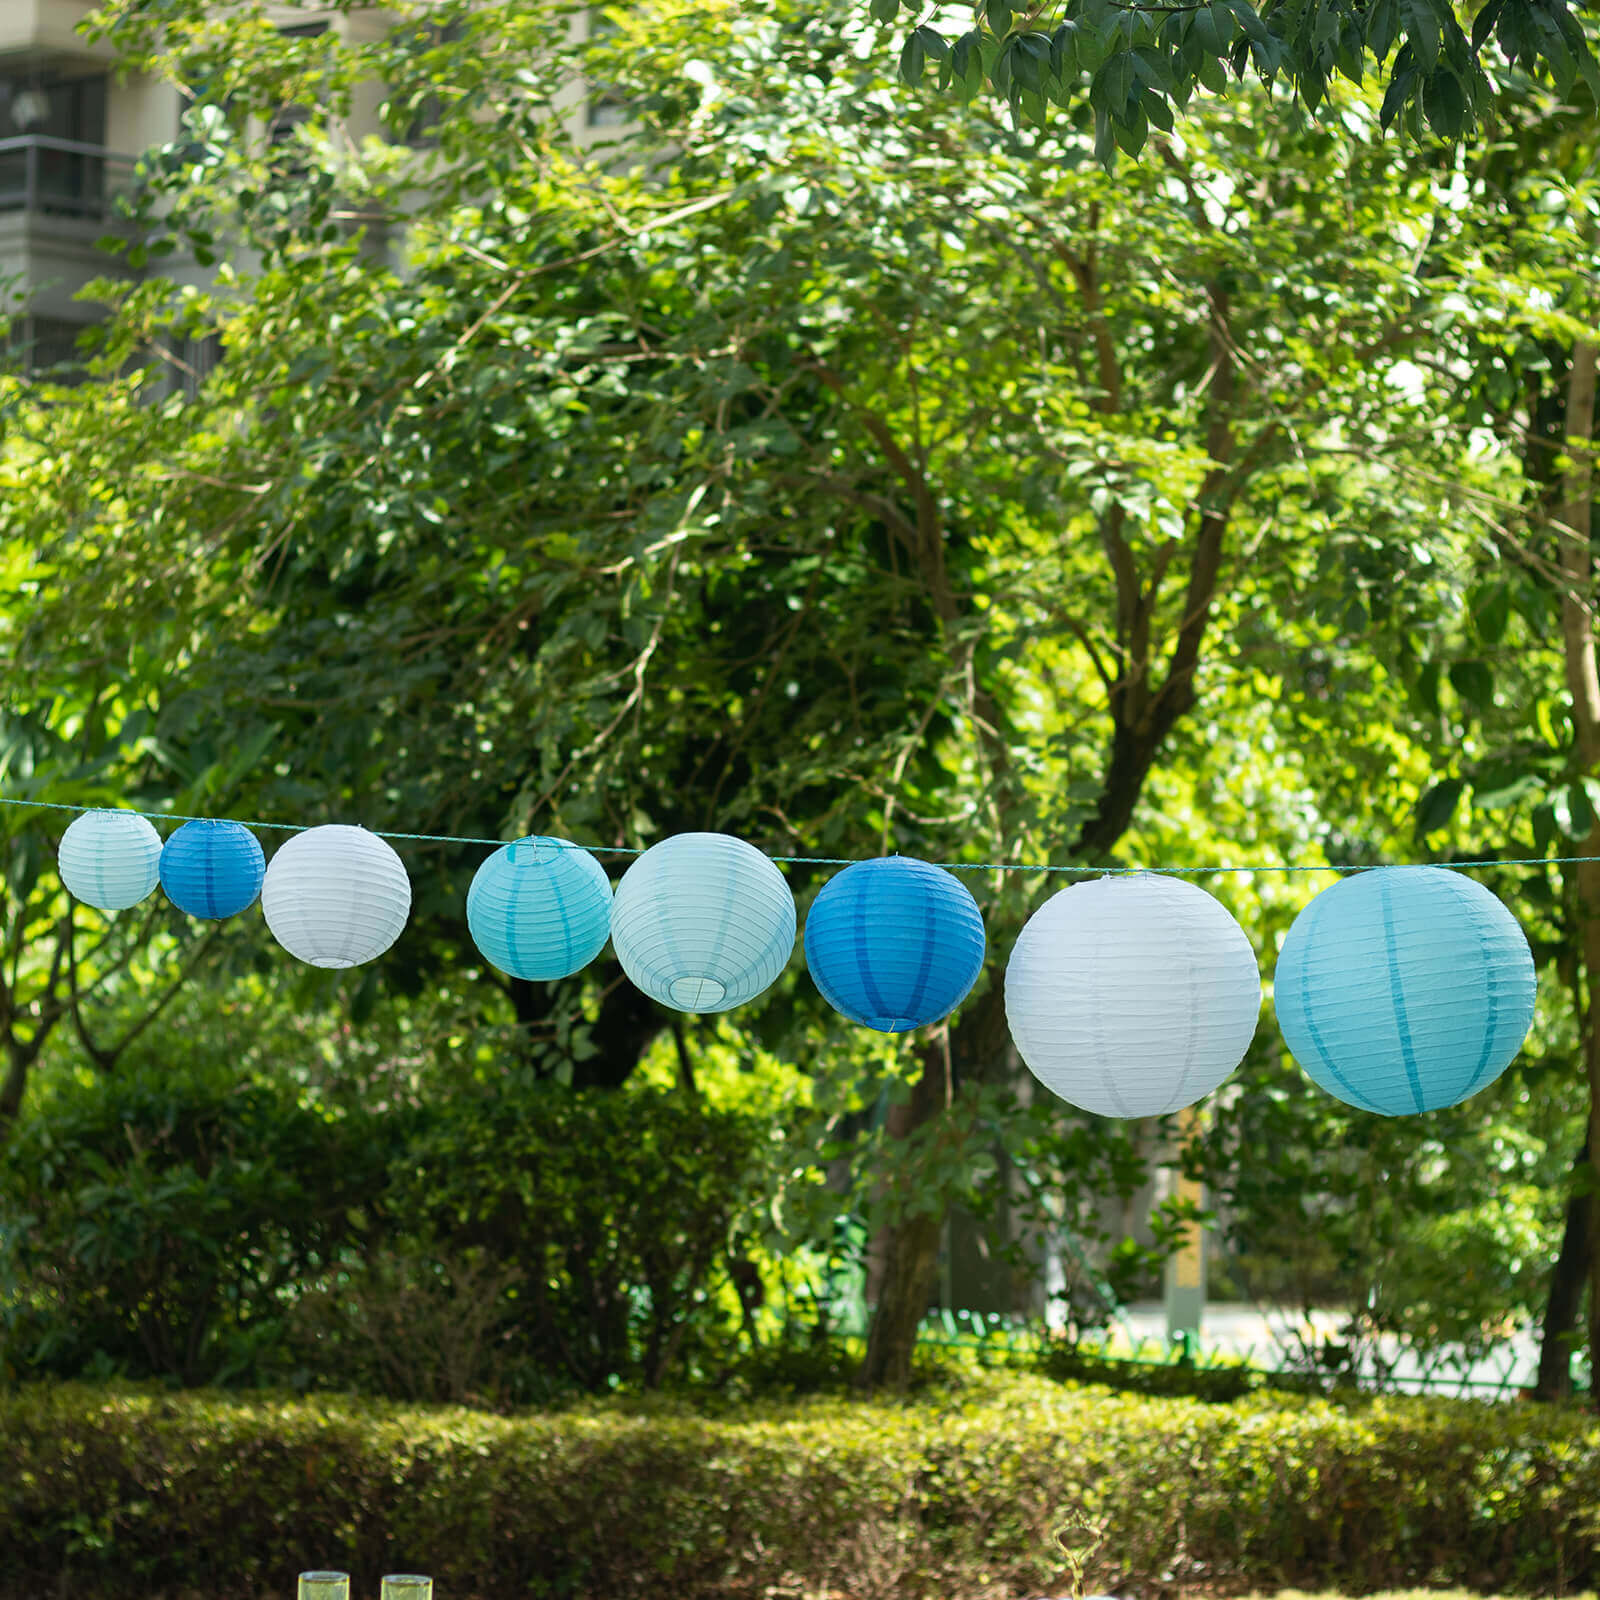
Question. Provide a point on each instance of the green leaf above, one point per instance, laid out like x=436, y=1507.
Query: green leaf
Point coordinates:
x=1396, y=95
x=885, y=10
x=997, y=13
x=1580, y=811
x=1483, y=23
x=1422, y=31
x=1383, y=24
x=1490, y=608
x=1444, y=103
x=1544, y=827
x=1426, y=689
x=1438, y=806
x=1132, y=130
x=1474, y=682
x=1210, y=72
x=912, y=59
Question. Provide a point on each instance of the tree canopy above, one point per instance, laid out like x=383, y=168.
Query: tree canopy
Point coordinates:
x=849, y=471
x=1130, y=69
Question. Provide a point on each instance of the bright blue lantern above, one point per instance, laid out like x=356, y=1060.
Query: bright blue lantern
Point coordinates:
x=894, y=944
x=703, y=922
x=540, y=909
x=212, y=869
x=1404, y=989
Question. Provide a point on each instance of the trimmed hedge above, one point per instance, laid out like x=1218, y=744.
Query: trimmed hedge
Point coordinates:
x=113, y=1493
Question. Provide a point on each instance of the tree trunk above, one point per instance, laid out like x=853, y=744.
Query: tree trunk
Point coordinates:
x=1566, y=1290
x=910, y=1247
x=1574, y=528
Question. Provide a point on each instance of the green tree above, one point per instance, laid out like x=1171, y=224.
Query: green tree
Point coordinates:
x=845, y=479
x=1131, y=69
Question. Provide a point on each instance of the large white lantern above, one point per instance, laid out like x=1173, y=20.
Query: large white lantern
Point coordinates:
x=1132, y=996
x=109, y=859
x=703, y=922
x=336, y=896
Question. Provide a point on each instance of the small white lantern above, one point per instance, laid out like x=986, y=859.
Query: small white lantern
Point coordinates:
x=110, y=859
x=703, y=922
x=1132, y=997
x=336, y=896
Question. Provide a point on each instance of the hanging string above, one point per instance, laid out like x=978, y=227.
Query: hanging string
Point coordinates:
x=813, y=861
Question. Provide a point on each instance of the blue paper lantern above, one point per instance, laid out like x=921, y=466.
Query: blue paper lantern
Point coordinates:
x=540, y=909
x=109, y=859
x=703, y=922
x=1404, y=989
x=212, y=869
x=894, y=944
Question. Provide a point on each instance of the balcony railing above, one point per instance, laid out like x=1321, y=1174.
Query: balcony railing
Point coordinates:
x=61, y=177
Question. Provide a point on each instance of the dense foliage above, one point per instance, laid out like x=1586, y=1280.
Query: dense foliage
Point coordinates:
x=501, y=1246
x=1129, y=70
x=994, y=1489
x=850, y=473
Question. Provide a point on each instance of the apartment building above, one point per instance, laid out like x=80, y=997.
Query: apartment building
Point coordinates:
x=70, y=135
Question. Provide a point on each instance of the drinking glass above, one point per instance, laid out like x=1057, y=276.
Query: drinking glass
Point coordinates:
x=324, y=1586
x=407, y=1586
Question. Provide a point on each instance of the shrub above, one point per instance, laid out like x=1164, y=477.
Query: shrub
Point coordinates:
x=157, y=1224
x=618, y=1209
x=116, y=1494
x=416, y=1323
x=497, y=1246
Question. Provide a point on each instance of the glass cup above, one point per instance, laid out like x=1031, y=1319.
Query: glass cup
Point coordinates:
x=406, y=1586
x=324, y=1586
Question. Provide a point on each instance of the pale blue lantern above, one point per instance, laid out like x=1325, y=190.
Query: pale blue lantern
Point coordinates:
x=1404, y=989
x=703, y=922
x=540, y=909
x=894, y=944
x=212, y=870
x=110, y=859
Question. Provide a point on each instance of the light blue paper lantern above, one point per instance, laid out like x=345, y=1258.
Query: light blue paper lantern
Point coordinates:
x=894, y=944
x=1404, y=989
x=109, y=859
x=212, y=869
x=540, y=909
x=703, y=922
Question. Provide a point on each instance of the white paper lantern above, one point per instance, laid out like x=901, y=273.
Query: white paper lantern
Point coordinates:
x=336, y=896
x=703, y=922
x=110, y=859
x=1132, y=997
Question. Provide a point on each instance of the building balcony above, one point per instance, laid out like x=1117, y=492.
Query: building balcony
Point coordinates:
x=60, y=178
x=57, y=198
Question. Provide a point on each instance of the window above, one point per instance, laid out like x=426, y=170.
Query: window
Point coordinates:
x=37, y=105
x=200, y=356
x=604, y=110
x=282, y=128
x=37, y=344
x=418, y=130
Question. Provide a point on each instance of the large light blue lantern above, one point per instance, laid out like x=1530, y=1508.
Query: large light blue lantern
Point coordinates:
x=703, y=922
x=109, y=859
x=212, y=869
x=894, y=944
x=540, y=909
x=1404, y=989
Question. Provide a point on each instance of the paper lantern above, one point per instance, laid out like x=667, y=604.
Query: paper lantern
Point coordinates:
x=336, y=896
x=212, y=869
x=894, y=944
x=540, y=909
x=1132, y=997
x=703, y=922
x=1404, y=989
x=109, y=859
